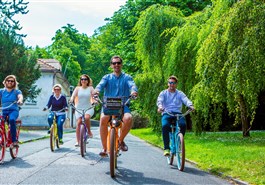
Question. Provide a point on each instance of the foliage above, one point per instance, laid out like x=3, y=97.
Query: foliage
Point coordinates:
x=14, y=57
x=70, y=48
x=16, y=60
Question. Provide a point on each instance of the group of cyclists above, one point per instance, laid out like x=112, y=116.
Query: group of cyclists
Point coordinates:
x=115, y=84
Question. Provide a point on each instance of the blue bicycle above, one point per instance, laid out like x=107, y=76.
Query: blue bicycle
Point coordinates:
x=177, y=144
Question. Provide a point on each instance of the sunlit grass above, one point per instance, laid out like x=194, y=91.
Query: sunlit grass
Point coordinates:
x=222, y=152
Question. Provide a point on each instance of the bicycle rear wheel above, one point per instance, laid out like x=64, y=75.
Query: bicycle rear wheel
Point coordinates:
x=112, y=152
x=52, y=138
x=83, y=138
x=2, y=146
x=180, y=151
x=14, y=150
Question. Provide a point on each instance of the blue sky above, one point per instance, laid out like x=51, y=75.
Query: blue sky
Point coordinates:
x=45, y=17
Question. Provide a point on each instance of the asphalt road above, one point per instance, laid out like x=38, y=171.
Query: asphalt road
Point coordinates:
x=142, y=164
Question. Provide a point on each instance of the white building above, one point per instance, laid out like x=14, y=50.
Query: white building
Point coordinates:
x=32, y=114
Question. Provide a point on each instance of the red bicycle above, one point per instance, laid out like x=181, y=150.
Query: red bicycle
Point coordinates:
x=5, y=136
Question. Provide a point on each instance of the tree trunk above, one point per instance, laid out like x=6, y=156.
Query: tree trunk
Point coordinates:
x=244, y=117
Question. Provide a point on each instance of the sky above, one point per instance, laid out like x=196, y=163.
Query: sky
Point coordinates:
x=45, y=17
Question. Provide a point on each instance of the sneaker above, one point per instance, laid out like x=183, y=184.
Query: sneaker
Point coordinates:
x=103, y=153
x=15, y=144
x=76, y=144
x=48, y=132
x=123, y=146
x=61, y=141
x=166, y=152
x=90, y=135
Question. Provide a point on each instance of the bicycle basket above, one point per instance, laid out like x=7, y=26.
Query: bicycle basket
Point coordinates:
x=112, y=106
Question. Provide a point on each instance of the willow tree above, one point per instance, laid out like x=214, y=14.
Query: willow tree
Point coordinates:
x=150, y=50
x=231, y=62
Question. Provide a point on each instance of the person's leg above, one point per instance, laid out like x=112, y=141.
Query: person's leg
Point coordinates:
x=50, y=119
x=13, y=115
x=78, y=124
x=165, y=130
x=182, y=125
x=87, y=120
x=60, y=122
x=104, y=132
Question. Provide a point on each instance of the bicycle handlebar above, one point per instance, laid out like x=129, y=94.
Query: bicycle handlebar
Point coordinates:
x=81, y=110
x=11, y=103
x=185, y=114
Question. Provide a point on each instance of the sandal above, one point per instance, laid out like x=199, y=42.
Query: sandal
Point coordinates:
x=76, y=144
x=103, y=153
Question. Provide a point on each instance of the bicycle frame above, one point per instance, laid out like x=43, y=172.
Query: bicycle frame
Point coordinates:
x=5, y=136
x=177, y=144
x=83, y=130
x=115, y=123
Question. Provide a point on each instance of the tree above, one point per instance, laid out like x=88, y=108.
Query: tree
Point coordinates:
x=231, y=61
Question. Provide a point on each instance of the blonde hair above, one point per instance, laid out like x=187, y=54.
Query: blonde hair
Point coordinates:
x=56, y=85
x=15, y=79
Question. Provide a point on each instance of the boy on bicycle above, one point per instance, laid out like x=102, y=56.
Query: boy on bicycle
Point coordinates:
x=171, y=100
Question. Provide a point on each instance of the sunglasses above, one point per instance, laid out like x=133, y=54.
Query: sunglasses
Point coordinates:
x=114, y=63
x=83, y=79
x=12, y=81
x=172, y=83
x=57, y=89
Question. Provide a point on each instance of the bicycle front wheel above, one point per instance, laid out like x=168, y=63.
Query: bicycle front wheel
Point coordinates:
x=83, y=138
x=52, y=138
x=180, y=151
x=112, y=152
x=14, y=150
x=2, y=146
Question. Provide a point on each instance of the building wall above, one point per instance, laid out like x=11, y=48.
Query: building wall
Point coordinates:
x=32, y=114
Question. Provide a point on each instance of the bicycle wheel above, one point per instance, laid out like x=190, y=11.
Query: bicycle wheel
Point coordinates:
x=14, y=150
x=56, y=136
x=112, y=152
x=52, y=138
x=83, y=138
x=180, y=151
x=2, y=146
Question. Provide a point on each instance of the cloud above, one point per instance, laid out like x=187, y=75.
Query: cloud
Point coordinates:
x=45, y=17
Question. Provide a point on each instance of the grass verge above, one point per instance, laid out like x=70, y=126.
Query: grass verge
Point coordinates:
x=222, y=152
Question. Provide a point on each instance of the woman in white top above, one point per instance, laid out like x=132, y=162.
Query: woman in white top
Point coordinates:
x=82, y=97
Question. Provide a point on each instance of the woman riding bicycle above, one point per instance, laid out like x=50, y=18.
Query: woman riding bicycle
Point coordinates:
x=82, y=97
x=171, y=100
x=8, y=95
x=57, y=102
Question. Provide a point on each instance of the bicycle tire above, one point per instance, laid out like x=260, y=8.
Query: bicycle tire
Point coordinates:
x=14, y=150
x=180, y=151
x=56, y=136
x=2, y=146
x=82, y=140
x=52, y=138
x=112, y=152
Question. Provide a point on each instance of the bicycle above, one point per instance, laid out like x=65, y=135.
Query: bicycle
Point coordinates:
x=5, y=135
x=113, y=106
x=177, y=144
x=83, y=129
x=54, y=138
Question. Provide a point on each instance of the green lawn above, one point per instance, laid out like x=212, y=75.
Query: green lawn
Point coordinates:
x=222, y=152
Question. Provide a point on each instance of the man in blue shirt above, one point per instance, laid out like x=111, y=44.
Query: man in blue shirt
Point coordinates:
x=171, y=100
x=116, y=84
x=9, y=95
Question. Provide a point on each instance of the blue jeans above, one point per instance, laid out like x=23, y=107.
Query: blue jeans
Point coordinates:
x=60, y=121
x=12, y=117
x=166, y=129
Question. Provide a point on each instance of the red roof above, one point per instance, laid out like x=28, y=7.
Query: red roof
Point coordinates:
x=49, y=65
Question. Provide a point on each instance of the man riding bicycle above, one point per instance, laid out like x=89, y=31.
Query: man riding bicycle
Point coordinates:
x=171, y=100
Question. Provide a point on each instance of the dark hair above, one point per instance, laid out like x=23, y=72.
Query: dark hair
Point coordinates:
x=173, y=77
x=115, y=56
